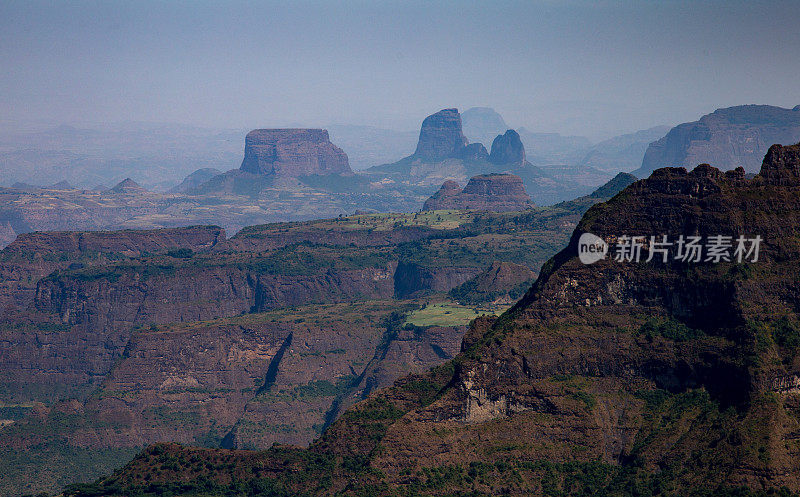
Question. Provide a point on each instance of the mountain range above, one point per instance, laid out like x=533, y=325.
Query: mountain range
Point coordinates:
x=624, y=377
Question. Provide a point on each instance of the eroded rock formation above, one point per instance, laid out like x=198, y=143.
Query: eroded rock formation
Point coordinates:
x=490, y=192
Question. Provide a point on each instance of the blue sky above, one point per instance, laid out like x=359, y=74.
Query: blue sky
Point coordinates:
x=592, y=68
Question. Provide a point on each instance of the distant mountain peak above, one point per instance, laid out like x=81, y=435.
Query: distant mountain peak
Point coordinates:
x=482, y=124
x=127, y=186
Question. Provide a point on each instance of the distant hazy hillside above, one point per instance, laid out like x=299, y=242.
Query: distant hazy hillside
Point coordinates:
x=553, y=148
x=482, y=124
x=367, y=146
x=727, y=138
x=624, y=152
x=158, y=156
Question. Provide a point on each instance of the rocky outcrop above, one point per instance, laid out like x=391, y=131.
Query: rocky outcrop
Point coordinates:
x=490, y=192
x=507, y=149
x=474, y=152
x=443, y=154
x=440, y=136
x=292, y=153
x=728, y=138
x=781, y=165
x=445, y=197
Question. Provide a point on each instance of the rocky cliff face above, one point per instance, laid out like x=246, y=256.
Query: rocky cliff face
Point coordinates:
x=440, y=136
x=507, y=149
x=241, y=340
x=732, y=137
x=123, y=296
x=33, y=256
x=292, y=152
x=618, y=377
x=490, y=192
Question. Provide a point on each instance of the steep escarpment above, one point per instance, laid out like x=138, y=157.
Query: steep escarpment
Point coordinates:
x=241, y=343
x=662, y=376
x=730, y=138
x=155, y=291
x=35, y=255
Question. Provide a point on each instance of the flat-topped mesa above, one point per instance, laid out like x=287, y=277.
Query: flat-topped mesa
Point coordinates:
x=292, y=153
x=507, y=149
x=440, y=136
x=129, y=243
x=489, y=192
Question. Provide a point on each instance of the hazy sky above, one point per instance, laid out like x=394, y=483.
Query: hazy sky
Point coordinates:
x=593, y=68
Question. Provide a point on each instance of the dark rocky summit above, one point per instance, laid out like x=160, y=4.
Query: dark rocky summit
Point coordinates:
x=731, y=137
x=782, y=166
x=507, y=149
x=292, y=153
x=440, y=136
x=490, y=192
